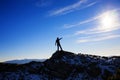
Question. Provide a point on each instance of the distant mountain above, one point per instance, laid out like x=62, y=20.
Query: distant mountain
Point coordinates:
x=64, y=65
x=23, y=61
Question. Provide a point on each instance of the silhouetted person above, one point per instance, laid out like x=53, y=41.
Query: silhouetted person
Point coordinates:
x=58, y=43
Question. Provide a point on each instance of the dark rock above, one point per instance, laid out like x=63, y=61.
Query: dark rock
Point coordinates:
x=63, y=65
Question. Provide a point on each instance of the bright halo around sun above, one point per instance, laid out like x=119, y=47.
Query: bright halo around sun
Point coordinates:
x=108, y=21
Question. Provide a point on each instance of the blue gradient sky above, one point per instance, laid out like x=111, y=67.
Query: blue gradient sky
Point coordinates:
x=28, y=28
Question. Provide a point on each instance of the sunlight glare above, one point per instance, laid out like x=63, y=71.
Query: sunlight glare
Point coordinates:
x=108, y=21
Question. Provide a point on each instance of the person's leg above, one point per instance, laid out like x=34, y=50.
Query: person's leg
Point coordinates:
x=60, y=47
x=57, y=47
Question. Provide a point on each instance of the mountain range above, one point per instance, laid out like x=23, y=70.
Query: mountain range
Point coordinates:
x=24, y=61
x=64, y=65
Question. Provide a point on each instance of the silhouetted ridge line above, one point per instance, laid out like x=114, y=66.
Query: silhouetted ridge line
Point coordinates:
x=64, y=65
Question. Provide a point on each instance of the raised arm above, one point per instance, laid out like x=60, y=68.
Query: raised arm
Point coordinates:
x=60, y=38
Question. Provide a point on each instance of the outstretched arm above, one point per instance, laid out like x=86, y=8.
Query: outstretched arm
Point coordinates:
x=60, y=38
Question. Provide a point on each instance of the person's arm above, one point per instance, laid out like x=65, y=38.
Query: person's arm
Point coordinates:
x=60, y=38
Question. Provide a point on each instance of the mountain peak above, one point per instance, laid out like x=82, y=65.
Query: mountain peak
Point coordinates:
x=60, y=54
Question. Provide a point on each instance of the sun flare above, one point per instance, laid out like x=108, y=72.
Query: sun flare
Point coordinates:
x=108, y=21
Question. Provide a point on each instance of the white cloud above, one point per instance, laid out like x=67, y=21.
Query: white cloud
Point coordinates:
x=98, y=38
x=71, y=8
x=43, y=3
x=67, y=26
x=99, y=33
x=95, y=18
x=68, y=8
x=106, y=22
x=97, y=30
x=90, y=4
x=110, y=22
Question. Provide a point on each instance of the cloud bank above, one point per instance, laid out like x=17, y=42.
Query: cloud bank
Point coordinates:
x=107, y=22
x=98, y=38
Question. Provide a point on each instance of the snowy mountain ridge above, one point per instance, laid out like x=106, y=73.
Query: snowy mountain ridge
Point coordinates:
x=63, y=65
x=23, y=61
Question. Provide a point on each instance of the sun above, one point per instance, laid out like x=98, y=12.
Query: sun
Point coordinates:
x=108, y=20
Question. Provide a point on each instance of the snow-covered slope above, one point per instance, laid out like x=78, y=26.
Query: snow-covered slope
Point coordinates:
x=23, y=61
x=64, y=65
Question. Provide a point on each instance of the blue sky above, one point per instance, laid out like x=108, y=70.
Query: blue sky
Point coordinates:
x=28, y=28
